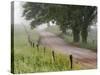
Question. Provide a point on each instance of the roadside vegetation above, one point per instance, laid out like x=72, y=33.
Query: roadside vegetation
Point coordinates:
x=91, y=40
x=28, y=59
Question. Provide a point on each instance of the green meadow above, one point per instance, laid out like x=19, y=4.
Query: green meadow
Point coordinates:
x=28, y=59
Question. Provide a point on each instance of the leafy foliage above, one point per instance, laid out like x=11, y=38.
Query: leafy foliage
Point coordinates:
x=77, y=18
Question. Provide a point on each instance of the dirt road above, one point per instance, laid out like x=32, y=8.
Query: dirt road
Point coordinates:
x=85, y=57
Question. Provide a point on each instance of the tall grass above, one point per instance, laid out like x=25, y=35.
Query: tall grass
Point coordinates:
x=91, y=44
x=29, y=59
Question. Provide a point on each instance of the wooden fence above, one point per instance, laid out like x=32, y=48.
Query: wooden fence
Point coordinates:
x=33, y=44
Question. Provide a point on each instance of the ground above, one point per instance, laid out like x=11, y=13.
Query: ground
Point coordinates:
x=85, y=57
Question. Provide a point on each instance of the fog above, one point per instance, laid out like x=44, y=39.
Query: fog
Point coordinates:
x=19, y=20
x=18, y=10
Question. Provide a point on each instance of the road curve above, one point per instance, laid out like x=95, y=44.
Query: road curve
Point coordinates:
x=85, y=57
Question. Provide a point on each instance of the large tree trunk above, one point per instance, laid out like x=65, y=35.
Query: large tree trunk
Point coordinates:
x=76, y=35
x=84, y=34
x=63, y=29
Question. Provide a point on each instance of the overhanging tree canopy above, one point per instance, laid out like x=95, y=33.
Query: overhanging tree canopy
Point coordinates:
x=77, y=18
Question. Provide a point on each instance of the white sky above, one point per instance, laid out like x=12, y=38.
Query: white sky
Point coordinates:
x=18, y=10
x=18, y=19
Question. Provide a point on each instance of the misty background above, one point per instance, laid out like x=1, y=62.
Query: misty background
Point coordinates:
x=19, y=20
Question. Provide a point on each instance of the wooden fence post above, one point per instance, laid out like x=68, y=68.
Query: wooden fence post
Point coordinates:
x=33, y=44
x=37, y=47
x=71, y=61
x=39, y=40
x=53, y=55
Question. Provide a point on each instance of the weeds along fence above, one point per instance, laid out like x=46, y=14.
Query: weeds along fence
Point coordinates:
x=37, y=46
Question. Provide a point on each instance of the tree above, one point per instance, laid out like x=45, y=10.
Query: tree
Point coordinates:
x=89, y=13
x=77, y=18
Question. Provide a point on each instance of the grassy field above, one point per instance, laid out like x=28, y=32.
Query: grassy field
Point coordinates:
x=92, y=38
x=28, y=59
